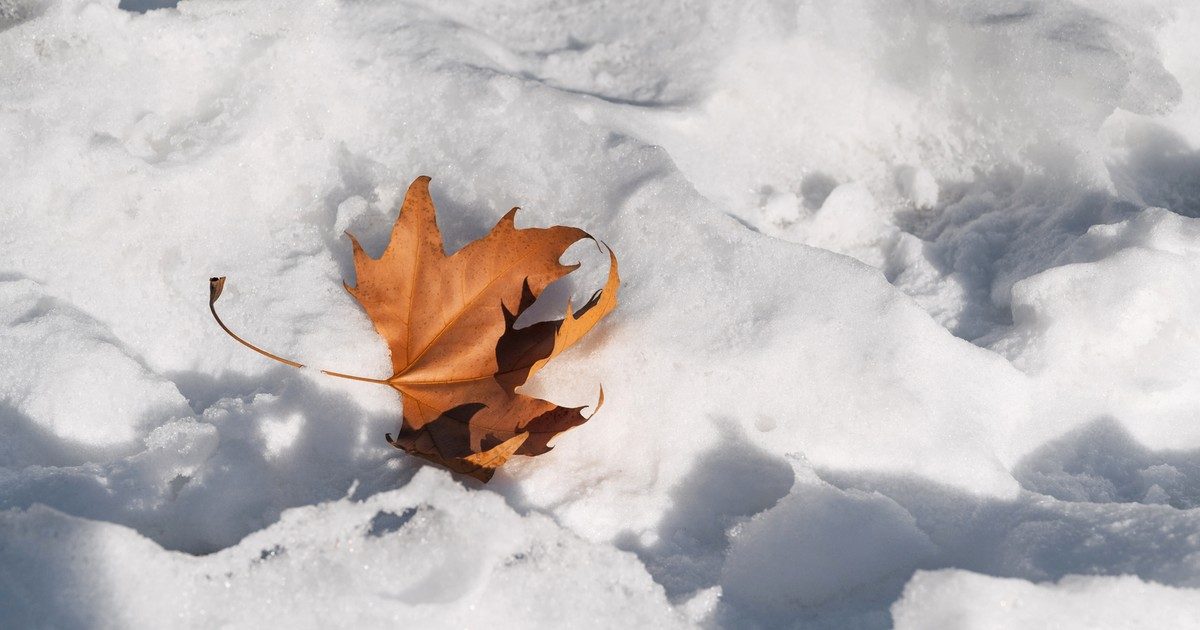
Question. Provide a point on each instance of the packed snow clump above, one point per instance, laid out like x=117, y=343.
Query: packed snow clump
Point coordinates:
x=908, y=326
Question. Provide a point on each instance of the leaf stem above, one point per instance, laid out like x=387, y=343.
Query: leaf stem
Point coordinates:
x=216, y=285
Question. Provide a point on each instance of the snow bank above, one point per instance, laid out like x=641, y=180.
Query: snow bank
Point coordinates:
x=1143, y=307
x=894, y=300
x=961, y=599
x=431, y=554
x=81, y=372
x=817, y=544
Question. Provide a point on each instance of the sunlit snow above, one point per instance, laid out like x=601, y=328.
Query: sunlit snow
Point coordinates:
x=909, y=333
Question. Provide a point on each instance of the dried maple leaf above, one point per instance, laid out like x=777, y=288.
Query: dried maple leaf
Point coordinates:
x=449, y=322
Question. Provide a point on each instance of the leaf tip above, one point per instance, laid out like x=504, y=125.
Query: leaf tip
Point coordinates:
x=599, y=403
x=215, y=286
x=420, y=185
x=508, y=222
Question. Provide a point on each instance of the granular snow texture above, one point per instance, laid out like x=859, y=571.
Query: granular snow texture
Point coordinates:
x=909, y=332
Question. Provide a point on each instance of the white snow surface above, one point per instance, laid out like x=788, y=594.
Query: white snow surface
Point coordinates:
x=950, y=597
x=909, y=332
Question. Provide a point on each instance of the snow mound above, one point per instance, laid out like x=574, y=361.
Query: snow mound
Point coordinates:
x=82, y=373
x=1142, y=308
x=950, y=598
x=464, y=559
x=908, y=287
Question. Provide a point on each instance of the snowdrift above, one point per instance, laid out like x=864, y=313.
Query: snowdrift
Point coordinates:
x=908, y=327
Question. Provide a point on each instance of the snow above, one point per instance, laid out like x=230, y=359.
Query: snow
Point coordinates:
x=948, y=598
x=432, y=554
x=907, y=333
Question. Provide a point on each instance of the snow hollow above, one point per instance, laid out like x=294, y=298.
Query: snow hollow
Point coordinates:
x=909, y=335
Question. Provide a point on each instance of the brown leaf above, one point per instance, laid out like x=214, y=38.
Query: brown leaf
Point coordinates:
x=450, y=325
